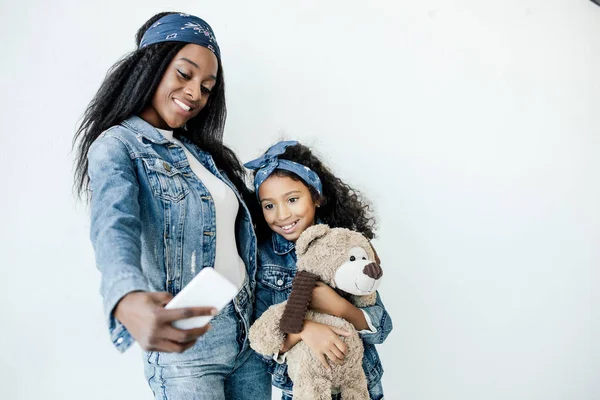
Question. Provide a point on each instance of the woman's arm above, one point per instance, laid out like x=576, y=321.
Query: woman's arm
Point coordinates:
x=132, y=311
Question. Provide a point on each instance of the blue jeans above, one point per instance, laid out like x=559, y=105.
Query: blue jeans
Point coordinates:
x=220, y=366
x=375, y=393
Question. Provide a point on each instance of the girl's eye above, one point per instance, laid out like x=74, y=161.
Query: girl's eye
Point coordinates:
x=352, y=258
x=183, y=75
x=205, y=90
x=293, y=200
x=268, y=206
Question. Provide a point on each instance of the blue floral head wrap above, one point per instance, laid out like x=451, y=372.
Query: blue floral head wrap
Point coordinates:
x=266, y=164
x=181, y=28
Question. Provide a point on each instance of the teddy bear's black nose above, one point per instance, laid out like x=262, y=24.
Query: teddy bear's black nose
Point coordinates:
x=373, y=270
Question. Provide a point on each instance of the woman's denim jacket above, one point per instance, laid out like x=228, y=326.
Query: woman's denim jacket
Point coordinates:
x=153, y=224
x=276, y=270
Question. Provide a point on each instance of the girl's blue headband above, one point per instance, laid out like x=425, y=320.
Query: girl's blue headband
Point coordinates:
x=266, y=164
x=181, y=28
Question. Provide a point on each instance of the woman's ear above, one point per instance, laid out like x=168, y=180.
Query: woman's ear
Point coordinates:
x=293, y=316
x=309, y=235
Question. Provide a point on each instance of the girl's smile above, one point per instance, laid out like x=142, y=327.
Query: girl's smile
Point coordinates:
x=287, y=206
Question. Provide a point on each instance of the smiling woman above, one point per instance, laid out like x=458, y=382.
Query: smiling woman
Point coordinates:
x=167, y=200
x=184, y=89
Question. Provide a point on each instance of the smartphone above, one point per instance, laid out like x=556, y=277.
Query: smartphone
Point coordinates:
x=207, y=289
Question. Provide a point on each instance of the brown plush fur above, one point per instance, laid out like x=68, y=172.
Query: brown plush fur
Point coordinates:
x=321, y=251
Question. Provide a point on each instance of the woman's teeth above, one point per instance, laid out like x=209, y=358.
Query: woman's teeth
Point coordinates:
x=183, y=106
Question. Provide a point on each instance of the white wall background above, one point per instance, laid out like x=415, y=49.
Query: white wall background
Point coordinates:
x=474, y=126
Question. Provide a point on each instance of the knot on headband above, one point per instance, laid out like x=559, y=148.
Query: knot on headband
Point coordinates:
x=266, y=164
x=181, y=28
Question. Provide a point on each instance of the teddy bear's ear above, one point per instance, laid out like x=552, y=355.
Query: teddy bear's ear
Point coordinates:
x=309, y=235
x=293, y=316
x=377, y=260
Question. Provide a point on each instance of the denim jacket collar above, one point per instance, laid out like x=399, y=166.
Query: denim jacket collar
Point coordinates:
x=149, y=132
x=144, y=129
x=281, y=245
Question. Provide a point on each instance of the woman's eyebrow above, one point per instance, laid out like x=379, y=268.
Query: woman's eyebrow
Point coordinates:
x=214, y=78
x=190, y=61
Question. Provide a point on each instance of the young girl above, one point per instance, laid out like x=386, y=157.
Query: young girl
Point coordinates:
x=167, y=202
x=295, y=191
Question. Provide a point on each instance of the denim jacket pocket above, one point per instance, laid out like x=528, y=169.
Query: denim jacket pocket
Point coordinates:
x=166, y=181
x=277, y=278
x=273, y=286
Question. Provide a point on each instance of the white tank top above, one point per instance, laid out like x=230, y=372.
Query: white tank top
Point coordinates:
x=227, y=260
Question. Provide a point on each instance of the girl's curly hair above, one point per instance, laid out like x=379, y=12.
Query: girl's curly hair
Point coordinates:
x=340, y=206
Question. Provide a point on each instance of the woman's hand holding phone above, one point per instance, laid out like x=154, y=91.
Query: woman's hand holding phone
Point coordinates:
x=145, y=317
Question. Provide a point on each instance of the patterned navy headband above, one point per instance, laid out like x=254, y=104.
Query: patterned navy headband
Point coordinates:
x=266, y=164
x=181, y=28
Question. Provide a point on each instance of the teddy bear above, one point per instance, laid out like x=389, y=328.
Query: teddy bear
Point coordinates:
x=346, y=261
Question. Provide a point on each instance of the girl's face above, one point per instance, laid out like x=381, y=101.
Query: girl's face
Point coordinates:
x=287, y=206
x=184, y=88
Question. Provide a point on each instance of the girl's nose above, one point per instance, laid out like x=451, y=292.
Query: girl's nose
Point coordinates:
x=283, y=213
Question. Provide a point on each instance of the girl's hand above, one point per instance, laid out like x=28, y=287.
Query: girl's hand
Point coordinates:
x=324, y=340
x=146, y=319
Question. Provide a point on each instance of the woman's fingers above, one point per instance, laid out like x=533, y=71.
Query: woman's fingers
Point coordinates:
x=171, y=347
x=184, y=336
x=150, y=324
x=184, y=313
x=161, y=298
x=197, y=332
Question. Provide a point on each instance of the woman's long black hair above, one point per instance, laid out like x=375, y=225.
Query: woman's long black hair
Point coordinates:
x=128, y=89
x=340, y=206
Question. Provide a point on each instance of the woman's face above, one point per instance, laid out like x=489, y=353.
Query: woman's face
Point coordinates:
x=287, y=206
x=184, y=88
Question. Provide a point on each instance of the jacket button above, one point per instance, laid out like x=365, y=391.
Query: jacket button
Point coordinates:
x=279, y=282
x=167, y=167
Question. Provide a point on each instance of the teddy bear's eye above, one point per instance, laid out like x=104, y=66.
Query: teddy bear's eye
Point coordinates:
x=352, y=258
x=364, y=258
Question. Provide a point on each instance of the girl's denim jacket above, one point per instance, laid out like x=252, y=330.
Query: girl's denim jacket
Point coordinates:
x=276, y=270
x=153, y=225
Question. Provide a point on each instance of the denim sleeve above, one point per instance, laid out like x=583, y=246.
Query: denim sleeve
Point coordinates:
x=115, y=228
x=381, y=321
